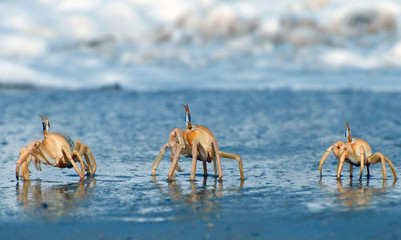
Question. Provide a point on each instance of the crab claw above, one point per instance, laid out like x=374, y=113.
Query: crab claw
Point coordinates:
x=24, y=154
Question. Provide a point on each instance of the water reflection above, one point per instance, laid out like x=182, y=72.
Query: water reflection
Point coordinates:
x=201, y=198
x=359, y=197
x=54, y=202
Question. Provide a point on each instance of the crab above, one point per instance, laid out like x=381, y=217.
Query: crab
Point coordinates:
x=356, y=152
x=57, y=150
x=197, y=142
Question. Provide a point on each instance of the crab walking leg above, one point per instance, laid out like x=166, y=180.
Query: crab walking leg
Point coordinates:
x=340, y=166
x=215, y=167
x=174, y=161
x=22, y=159
x=194, y=159
x=178, y=134
x=93, y=159
x=80, y=161
x=175, y=139
x=392, y=167
x=325, y=155
x=87, y=159
x=25, y=170
x=88, y=163
x=375, y=158
x=79, y=148
x=235, y=157
x=173, y=149
x=159, y=158
x=362, y=160
x=68, y=158
x=204, y=168
x=83, y=152
x=350, y=170
x=216, y=149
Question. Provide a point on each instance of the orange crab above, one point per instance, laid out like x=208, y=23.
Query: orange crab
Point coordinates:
x=356, y=152
x=197, y=142
x=57, y=150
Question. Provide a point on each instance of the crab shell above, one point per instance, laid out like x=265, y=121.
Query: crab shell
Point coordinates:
x=353, y=149
x=51, y=147
x=205, y=138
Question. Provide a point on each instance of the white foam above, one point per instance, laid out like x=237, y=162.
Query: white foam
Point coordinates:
x=154, y=45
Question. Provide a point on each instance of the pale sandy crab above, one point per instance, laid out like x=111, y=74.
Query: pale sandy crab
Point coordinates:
x=197, y=142
x=356, y=152
x=57, y=150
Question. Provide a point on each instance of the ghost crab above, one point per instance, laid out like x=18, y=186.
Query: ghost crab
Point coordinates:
x=197, y=142
x=356, y=152
x=57, y=150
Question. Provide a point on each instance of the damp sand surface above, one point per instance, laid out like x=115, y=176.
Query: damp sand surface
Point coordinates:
x=280, y=135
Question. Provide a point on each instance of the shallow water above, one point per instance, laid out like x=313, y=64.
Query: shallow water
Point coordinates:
x=280, y=136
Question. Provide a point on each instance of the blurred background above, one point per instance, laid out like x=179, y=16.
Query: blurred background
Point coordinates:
x=205, y=44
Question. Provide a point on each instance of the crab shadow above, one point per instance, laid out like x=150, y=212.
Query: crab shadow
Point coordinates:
x=41, y=200
x=201, y=197
x=357, y=196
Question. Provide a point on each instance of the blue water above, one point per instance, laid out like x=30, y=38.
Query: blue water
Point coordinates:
x=279, y=134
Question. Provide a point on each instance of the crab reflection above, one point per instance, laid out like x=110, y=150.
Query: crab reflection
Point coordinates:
x=55, y=201
x=201, y=199
x=359, y=197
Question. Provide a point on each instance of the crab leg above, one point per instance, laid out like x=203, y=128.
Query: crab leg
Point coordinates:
x=176, y=135
x=216, y=149
x=204, y=168
x=25, y=170
x=323, y=159
x=81, y=149
x=175, y=161
x=350, y=170
x=22, y=159
x=68, y=158
x=340, y=166
x=43, y=152
x=83, y=152
x=81, y=162
x=215, y=166
x=194, y=159
x=91, y=171
x=362, y=160
x=159, y=158
x=88, y=151
x=171, y=158
x=392, y=167
x=235, y=157
x=375, y=158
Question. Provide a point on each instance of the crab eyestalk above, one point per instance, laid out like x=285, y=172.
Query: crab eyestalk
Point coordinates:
x=348, y=132
x=45, y=125
x=187, y=116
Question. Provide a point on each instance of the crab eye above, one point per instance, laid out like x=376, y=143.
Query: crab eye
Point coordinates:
x=43, y=126
x=346, y=133
x=187, y=118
